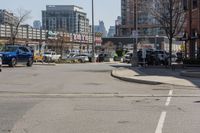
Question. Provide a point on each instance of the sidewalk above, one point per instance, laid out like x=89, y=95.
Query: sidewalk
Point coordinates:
x=155, y=76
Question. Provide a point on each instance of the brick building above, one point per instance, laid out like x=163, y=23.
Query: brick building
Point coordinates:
x=192, y=28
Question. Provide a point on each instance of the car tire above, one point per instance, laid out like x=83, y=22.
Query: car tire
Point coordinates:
x=79, y=60
x=30, y=62
x=13, y=62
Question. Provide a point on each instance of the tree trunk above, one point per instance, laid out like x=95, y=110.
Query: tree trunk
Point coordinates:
x=13, y=40
x=170, y=32
x=170, y=51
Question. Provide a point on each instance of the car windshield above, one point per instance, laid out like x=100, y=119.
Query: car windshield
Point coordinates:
x=9, y=49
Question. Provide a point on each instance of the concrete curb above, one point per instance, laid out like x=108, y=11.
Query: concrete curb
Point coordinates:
x=113, y=74
x=45, y=64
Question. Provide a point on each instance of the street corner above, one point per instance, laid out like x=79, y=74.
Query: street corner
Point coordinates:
x=131, y=76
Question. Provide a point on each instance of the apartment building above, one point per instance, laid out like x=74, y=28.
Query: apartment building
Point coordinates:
x=69, y=18
x=7, y=17
x=192, y=28
x=134, y=14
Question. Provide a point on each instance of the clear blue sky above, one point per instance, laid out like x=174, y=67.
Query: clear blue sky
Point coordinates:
x=106, y=10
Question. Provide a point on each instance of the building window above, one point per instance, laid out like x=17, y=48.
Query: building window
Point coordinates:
x=194, y=3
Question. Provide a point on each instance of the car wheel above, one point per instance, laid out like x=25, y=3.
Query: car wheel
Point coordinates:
x=13, y=62
x=30, y=62
x=80, y=61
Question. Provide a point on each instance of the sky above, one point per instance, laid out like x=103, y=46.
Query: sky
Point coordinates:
x=106, y=10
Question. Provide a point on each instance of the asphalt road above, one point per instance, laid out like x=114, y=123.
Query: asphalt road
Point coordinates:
x=84, y=98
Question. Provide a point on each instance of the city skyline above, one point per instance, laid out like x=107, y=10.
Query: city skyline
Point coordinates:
x=102, y=8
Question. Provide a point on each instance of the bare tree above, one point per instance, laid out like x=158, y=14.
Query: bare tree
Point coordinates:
x=63, y=39
x=171, y=16
x=22, y=15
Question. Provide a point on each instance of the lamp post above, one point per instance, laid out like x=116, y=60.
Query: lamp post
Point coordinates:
x=135, y=34
x=191, y=45
x=93, y=35
x=198, y=54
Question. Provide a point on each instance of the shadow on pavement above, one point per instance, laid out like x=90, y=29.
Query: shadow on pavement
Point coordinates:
x=163, y=71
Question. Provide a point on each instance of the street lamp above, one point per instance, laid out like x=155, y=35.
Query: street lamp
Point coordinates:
x=135, y=34
x=93, y=35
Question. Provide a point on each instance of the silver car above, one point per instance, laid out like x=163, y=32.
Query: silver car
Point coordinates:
x=80, y=58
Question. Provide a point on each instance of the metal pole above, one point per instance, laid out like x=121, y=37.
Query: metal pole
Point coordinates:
x=198, y=44
x=93, y=35
x=190, y=30
x=134, y=58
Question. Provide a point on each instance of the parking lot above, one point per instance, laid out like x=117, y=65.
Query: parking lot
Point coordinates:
x=85, y=98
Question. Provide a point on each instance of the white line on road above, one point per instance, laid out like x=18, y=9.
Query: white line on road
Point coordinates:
x=169, y=98
x=161, y=122
x=163, y=114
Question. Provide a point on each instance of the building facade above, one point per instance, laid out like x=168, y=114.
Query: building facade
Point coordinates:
x=118, y=23
x=101, y=29
x=67, y=18
x=111, y=32
x=37, y=24
x=135, y=14
x=192, y=28
x=8, y=18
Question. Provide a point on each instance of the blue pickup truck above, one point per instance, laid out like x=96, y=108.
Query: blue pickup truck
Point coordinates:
x=14, y=54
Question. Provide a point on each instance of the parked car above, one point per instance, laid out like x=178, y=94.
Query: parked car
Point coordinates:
x=51, y=56
x=101, y=57
x=80, y=58
x=127, y=57
x=14, y=54
x=161, y=57
x=174, y=58
x=0, y=62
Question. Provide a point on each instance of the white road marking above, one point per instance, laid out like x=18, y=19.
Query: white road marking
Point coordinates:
x=169, y=98
x=161, y=122
x=163, y=114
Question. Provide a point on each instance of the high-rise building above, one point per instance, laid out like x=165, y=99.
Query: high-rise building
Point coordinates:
x=118, y=23
x=111, y=32
x=37, y=24
x=8, y=18
x=134, y=14
x=101, y=29
x=69, y=18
